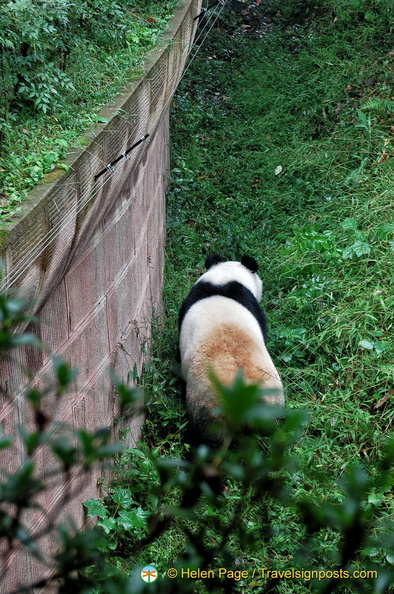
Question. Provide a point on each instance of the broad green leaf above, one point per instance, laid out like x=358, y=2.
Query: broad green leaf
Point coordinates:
x=349, y=224
x=132, y=520
x=96, y=508
x=107, y=524
x=122, y=497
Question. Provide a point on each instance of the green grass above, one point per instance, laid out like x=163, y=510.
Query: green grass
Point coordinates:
x=279, y=152
x=282, y=149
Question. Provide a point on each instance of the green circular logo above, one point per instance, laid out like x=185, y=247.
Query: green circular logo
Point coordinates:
x=149, y=573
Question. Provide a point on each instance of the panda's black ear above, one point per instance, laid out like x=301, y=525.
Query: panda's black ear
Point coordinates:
x=250, y=263
x=212, y=260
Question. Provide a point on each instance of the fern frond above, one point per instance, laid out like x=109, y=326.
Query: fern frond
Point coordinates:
x=386, y=105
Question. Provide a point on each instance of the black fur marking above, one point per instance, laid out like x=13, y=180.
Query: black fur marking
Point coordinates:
x=232, y=290
x=250, y=263
x=212, y=260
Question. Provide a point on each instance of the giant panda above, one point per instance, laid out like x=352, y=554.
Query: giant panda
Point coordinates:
x=223, y=329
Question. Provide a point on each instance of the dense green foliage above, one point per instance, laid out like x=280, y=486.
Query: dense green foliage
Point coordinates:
x=282, y=148
x=60, y=61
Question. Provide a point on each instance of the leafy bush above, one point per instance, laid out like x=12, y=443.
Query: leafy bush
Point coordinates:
x=312, y=492
x=60, y=62
x=272, y=157
x=196, y=525
x=77, y=452
x=38, y=43
x=218, y=506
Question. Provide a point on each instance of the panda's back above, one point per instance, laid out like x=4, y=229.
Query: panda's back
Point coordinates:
x=223, y=330
x=220, y=335
x=208, y=316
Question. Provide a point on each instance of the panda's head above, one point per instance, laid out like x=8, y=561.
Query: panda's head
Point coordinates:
x=220, y=272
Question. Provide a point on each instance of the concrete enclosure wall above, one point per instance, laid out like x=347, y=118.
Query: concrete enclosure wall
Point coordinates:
x=87, y=251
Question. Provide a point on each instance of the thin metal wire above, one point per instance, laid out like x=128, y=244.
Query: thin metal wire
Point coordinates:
x=124, y=155
x=212, y=17
x=208, y=17
x=46, y=241
x=200, y=29
x=206, y=9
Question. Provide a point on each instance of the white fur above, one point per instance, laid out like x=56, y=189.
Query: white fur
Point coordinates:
x=198, y=325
